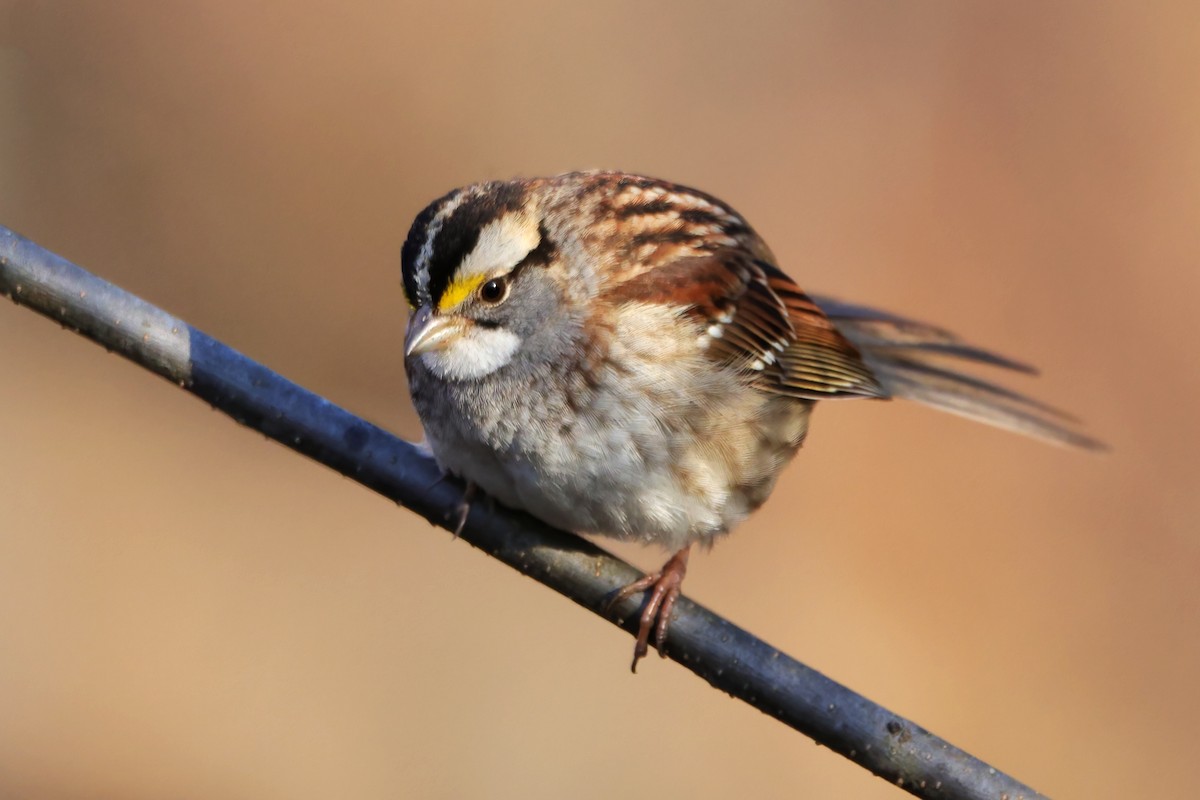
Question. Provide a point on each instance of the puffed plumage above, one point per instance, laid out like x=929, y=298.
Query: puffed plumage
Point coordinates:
x=621, y=355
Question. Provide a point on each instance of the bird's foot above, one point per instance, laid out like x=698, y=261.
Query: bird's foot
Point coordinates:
x=463, y=509
x=663, y=587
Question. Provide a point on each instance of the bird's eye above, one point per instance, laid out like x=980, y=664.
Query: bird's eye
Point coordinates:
x=493, y=291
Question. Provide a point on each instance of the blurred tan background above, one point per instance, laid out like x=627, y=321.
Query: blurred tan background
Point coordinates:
x=190, y=611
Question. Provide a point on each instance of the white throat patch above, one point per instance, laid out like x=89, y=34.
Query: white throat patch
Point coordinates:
x=478, y=352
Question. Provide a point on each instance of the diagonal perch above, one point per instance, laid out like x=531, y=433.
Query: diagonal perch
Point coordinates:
x=726, y=656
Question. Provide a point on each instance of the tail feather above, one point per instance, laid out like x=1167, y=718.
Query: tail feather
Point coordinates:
x=908, y=359
x=971, y=385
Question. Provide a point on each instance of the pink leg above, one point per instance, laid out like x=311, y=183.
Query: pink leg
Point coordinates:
x=664, y=588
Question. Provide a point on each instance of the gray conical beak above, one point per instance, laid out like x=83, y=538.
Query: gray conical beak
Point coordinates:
x=428, y=331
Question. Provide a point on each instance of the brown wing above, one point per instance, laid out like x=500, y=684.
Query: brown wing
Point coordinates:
x=812, y=359
x=757, y=320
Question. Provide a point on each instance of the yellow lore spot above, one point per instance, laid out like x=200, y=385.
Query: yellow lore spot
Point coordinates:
x=458, y=290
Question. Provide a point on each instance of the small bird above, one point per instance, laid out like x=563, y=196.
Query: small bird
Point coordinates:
x=621, y=355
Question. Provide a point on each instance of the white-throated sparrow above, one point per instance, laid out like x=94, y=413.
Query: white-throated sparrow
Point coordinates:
x=621, y=355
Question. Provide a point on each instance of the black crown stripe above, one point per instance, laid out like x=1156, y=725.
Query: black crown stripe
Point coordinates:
x=413, y=243
x=454, y=237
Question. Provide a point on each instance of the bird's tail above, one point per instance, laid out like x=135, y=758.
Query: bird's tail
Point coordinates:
x=920, y=362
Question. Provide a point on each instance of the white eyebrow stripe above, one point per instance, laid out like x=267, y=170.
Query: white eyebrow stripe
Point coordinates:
x=502, y=244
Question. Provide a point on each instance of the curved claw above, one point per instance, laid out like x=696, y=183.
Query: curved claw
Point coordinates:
x=463, y=509
x=664, y=587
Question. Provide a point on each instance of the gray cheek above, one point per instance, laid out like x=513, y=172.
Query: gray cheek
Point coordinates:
x=538, y=308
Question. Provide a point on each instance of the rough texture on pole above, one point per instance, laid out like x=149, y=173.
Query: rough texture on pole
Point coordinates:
x=723, y=654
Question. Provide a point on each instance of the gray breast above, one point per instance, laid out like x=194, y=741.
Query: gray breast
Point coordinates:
x=666, y=452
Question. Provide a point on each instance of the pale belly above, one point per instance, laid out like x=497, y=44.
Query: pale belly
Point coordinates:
x=631, y=471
